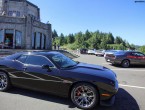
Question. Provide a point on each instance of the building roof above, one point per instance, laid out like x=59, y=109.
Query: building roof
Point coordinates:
x=18, y=0
x=26, y=1
x=32, y=4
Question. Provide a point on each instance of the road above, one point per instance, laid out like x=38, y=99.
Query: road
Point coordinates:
x=129, y=97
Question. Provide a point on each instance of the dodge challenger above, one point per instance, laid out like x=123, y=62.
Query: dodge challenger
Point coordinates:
x=51, y=72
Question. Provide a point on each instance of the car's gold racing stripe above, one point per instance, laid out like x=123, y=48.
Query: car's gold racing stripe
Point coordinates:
x=38, y=78
x=64, y=81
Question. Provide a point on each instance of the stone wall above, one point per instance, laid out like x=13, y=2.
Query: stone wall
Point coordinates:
x=27, y=26
x=33, y=11
x=7, y=19
x=28, y=21
x=14, y=23
x=1, y=4
x=17, y=6
x=23, y=7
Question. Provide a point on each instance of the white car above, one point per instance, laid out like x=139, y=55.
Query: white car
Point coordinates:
x=92, y=52
x=100, y=52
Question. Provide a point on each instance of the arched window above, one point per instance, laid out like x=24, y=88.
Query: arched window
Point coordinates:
x=33, y=40
x=1, y=38
x=38, y=40
x=43, y=41
x=8, y=38
x=18, y=40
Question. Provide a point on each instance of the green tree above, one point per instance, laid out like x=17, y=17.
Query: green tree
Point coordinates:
x=132, y=47
x=54, y=34
x=70, y=39
x=79, y=39
x=92, y=40
x=118, y=40
x=110, y=39
x=142, y=49
x=87, y=35
x=62, y=40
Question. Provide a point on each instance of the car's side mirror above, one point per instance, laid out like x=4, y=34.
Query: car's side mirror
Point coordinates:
x=46, y=67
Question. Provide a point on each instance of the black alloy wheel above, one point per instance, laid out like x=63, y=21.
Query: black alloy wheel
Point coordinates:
x=4, y=81
x=84, y=96
x=125, y=63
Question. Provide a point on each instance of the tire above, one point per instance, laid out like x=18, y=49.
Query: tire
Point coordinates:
x=125, y=63
x=4, y=81
x=84, y=96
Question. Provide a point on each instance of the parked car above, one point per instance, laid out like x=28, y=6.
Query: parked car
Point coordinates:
x=83, y=51
x=108, y=54
x=91, y=51
x=100, y=52
x=52, y=72
x=127, y=58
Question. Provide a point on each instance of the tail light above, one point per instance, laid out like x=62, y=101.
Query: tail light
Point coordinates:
x=111, y=56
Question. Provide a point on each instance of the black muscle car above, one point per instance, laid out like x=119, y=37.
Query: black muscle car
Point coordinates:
x=52, y=72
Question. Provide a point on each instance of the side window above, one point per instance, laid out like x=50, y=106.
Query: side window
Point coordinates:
x=133, y=54
x=137, y=54
x=38, y=60
x=22, y=58
x=140, y=54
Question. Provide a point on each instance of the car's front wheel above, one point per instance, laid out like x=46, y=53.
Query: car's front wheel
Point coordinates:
x=125, y=63
x=4, y=81
x=84, y=96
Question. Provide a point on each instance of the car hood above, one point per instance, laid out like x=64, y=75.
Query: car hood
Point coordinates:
x=90, y=66
x=95, y=70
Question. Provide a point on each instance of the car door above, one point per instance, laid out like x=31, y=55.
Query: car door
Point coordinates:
x=136, y=58
x=42, y=79
x=18, y=78
x=141, y=58
x=133, y=58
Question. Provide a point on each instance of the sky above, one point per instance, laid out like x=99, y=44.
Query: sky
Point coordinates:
x=123, y=18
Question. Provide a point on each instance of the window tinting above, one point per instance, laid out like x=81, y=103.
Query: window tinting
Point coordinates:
x=22, y=58
x=140, y=54
x=37, y=60
x=13, y=56
x=137, y=54
x=62, y=61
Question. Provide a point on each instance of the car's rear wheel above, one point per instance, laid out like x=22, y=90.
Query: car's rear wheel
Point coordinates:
x=125, y=63
x=84, y=96
x=4, y=81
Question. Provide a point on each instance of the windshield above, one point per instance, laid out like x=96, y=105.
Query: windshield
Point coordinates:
x=120, y=52
x=13, y=56
x=62, y=61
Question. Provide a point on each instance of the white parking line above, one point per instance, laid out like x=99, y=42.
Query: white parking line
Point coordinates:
x=137, y=87
x=105, y=63
x=129, y=69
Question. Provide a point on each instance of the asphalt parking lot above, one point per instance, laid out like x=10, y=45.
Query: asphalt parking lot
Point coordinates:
x=129, y=97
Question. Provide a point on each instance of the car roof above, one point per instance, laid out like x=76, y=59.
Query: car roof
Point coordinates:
x=40, y=53
x=44, y=53
x=134, y=52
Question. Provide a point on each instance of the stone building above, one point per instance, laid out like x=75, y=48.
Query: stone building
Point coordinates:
x=21, y=28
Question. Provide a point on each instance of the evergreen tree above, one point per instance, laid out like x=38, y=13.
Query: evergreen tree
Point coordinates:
x=70, y=39
x=62, y=40
x=87, y=35
x=54, y=34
